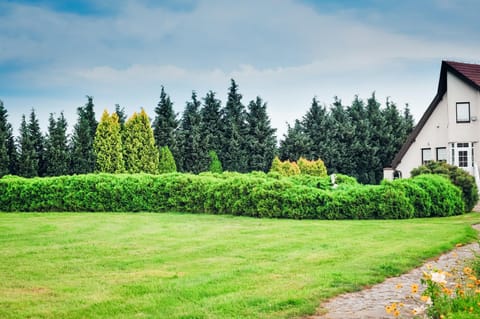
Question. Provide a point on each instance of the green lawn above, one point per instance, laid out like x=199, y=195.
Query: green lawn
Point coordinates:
x=101, y=265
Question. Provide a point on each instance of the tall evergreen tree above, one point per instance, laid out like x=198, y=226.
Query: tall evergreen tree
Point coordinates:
x=211, y=125
x=56, y=149
x=295, y=143
x=165, y=125
x=122, y=116
x=28, y=159
x=38, y=141
x=82, y=154
x=315, y=125
x=7, y=144
x=363, y=153
x=234, y=153
x=376, y=127
x=108, y=145
x=261, y=136
x=140, y=153
x=192, y=151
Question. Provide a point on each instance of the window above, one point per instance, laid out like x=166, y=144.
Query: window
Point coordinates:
x=463, y=112
x=426, y=155
x=463, y=158
x=442, y=154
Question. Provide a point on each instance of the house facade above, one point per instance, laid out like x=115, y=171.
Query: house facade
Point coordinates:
x=450, y=128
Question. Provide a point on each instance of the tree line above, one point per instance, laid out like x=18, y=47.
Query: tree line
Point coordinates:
x=358, y=140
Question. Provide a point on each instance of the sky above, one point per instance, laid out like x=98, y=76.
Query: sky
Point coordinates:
x=55, y=53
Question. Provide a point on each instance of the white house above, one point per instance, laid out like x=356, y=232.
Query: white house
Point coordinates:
x=450, y=128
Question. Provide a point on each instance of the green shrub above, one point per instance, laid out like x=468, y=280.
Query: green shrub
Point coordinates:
x=458, y=176
x=215, y=164
x=314, y=168
x=256, y=194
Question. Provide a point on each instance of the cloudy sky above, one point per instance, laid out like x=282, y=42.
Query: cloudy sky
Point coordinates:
x=54, y=53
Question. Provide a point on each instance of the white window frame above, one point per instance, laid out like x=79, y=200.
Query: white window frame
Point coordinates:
x=463, y=112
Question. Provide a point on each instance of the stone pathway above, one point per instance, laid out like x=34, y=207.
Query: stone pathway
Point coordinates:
x=370, y=303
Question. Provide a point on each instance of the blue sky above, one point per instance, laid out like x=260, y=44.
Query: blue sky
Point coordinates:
x=54, y=53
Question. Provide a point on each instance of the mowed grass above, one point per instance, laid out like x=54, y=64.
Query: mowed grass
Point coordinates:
x=135, y=265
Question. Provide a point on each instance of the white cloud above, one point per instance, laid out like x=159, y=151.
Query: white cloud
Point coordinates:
x=281, y=50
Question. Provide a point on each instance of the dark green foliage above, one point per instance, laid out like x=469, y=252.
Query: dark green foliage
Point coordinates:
x=295, y=144
x=192, y=152
x=56, y=147
x=457, y=176
x=215, y=164
x=255, y=194
x=38, y=142
x=166, y=161
x=122, y=116
x=357, y=140
x=261, y=146
x=234, y=152
x=140, y=153
x=28, y=159
x=211, y=122
x=165, y=125
x=82, y=153
x=8, y=153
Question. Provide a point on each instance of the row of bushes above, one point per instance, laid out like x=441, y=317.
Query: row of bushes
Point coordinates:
x=255, y=194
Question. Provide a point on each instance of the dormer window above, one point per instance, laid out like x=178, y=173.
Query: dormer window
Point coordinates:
x=463, y=112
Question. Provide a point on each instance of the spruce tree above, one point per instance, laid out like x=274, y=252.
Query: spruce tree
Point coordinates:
x=165, y=125
x=295, y=143
x=192, y=152
x=362, y=152
x=234, y=153
x=376, y=129
x=167, y=161
x=7, y=146
x=122, y=116
x=261, y=136
x=56, y=149
x=139, y=150
x=38, y=141
x=82, y=154
x=210, y=127
x=28, y=159
x=108, y=145
x=315, y=124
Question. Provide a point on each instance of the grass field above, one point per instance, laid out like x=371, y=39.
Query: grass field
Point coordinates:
x=97, y=265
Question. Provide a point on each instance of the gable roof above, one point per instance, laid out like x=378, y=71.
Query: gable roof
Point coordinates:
x=467, y=72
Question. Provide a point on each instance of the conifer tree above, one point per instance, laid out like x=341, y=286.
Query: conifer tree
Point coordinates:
x=7, y=144
x=140, y=153
x=192, y=152
x=108, y=145
x=295, y=144
x=210, y=126
x=315, y=125
x=122, y=117
x=56, y=147
x=38, y=142
x=261, y=136
x=234, y=153
x=165, y=125
x=167, y=162
x=82, y=154
x=28, y=159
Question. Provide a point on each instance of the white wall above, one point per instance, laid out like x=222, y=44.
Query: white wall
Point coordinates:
x=433, y=135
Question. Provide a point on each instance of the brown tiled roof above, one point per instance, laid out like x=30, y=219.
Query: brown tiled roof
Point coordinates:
x=469, y=73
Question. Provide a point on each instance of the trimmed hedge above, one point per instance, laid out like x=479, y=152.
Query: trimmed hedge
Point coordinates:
x=256, y=194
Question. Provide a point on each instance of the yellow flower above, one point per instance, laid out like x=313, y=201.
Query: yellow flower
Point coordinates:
x=467, y=270
x=396, y=313
x=388, y=309
x=414, y=288
x=425, y=299
x=398, y=286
